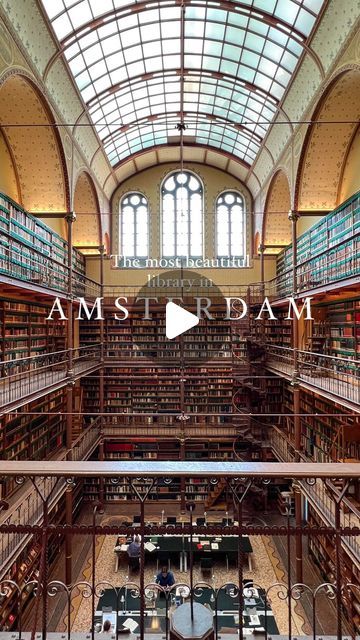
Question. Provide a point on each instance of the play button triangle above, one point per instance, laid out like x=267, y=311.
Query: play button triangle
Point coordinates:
x=178, y=320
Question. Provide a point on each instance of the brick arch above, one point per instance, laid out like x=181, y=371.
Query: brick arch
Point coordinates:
x=276, y=226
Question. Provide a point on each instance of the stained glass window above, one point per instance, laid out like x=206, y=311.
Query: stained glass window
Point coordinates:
x=230, y=225
x=182, y=216
x=134, y=226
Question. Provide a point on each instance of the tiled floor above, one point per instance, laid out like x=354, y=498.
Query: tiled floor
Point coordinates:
x=266, y=571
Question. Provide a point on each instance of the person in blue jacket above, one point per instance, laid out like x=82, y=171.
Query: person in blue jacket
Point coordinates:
x=165, y=578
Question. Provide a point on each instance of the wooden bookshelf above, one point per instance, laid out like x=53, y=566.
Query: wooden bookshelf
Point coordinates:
x=159, y=449
x=25, y=567
x=329, y=251
x=273, y=401
x=278, y=332
x=325, y=437
x=323, y=553
x=138, y=339
x=343, y=320
x=25, y=333
x=25, y=436
x=32, y=252
x=156, y=389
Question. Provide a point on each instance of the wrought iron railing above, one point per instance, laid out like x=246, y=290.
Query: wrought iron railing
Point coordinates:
x=339, y=377
x=317, y=492
x=265, y=608
x=337, y=264
x=23, y=377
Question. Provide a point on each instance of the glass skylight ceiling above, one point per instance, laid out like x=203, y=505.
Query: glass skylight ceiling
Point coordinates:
x=224, y=81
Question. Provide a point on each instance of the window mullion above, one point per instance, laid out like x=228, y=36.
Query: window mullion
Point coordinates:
x=175, y=223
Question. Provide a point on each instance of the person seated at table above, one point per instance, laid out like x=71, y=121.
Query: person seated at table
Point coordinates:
x=165, y=578
x=107, y=627
x=120, y=540
x=134, y=548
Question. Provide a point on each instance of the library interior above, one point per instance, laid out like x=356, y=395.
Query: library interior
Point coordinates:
x=179, y=319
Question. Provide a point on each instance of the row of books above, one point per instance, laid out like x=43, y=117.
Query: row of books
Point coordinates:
x=31, y=251
x=328, y=251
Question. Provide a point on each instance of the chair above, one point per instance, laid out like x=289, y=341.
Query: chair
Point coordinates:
x=134, y=563
x=206, y=565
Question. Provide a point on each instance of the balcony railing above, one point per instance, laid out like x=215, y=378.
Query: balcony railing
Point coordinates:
x=264, y=607
x=33, y=267
x=24, y=377
x=337, y=264
x=317, y=493
x=339, y=377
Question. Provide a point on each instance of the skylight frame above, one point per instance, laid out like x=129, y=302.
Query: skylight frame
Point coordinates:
x=100, y=67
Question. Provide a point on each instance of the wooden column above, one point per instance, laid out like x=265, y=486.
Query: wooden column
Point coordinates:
x=101, y=379
x=293, y=217
x=70, y=219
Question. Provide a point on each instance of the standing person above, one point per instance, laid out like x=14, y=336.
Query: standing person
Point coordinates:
x=165, y=578
x=134, y=548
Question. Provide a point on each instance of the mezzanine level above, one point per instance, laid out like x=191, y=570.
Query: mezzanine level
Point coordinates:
x=337, y=378
x=143, y=478
x=26, y=379
x=316, y=492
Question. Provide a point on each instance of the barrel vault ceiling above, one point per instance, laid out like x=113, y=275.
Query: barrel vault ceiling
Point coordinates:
x=160, y=73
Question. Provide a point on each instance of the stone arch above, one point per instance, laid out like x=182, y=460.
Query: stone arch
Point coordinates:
x=276, y=226
x=87, y=228
x=326, y=145
x=34, y=147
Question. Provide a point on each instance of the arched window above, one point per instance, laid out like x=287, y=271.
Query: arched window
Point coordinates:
x=230, y=225
x=182, y=216
x=134, y=226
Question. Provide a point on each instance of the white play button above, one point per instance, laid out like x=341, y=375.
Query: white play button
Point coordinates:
x=178, y=320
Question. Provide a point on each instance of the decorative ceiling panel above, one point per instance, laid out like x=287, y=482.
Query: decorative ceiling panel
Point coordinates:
x=218, y=68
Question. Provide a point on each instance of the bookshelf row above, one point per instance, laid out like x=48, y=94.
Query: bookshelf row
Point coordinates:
x=158, y=389
x=335, y=331
x=28, y=433
x=327, y=252
x=323, y=552
x=159, y=449
x=329, y=432
x=25, y=568
x=137, y=338
x=25, y=333
x=31, y=251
